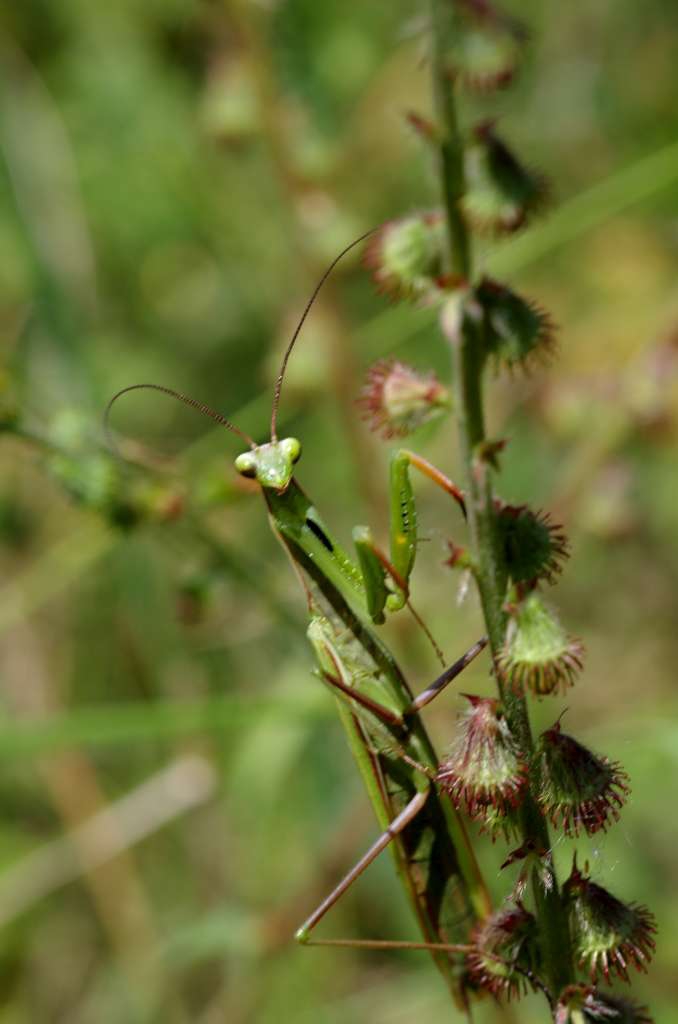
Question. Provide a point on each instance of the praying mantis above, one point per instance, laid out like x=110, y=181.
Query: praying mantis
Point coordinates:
x=378, y=711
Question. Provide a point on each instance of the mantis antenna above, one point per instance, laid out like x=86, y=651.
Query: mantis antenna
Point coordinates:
x=206, y=409
x=200, y=406
x=297, y=330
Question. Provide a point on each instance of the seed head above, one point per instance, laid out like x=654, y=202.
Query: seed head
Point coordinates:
x=485, y=771
x=486, y=48
x=577, y=790
x=583, y=1004
x=534, y=546
x=538, y=653
x=502, y=942
x=396, y=398
x=406, y=256
x=517, y=331
x=502, y=194
x=608, y=935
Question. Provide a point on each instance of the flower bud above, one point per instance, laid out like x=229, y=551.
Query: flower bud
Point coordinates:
x=487, y=452
x=582, y=1004
x=459, y=557
x=486, y=48
x=517, y=330
x=396, y=398
x=501, y=193
x=577, y=790
x=406, y=256
x=538, y=653
x=608, y=934
x=533, y=545
x=485, y=770
x=502, y=942
x=536, y=863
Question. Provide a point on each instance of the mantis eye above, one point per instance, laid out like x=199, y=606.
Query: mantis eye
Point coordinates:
x=246, y=465
x=292, y=447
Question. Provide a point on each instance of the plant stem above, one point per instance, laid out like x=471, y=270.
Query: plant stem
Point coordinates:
x=491, y=573
x=451, y=152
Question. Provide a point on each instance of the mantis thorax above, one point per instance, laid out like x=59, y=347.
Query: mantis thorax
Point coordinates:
x=271, y=464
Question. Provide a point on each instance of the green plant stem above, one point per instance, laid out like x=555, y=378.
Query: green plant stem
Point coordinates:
x=491, y=573
x=451, y=152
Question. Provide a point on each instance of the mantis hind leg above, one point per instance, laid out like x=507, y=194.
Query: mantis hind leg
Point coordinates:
x=399, y=823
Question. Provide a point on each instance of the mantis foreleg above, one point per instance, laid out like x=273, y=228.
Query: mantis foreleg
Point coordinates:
x=375, y=567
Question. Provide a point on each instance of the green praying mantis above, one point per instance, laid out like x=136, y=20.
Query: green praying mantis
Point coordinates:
x=378, y=711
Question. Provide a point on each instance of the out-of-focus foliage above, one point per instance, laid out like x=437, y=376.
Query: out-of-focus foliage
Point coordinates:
x=174, y=176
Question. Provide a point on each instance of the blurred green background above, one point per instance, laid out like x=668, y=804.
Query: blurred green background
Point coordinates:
x=176, y=792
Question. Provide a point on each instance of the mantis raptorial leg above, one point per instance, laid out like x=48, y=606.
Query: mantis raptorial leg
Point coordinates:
x=425, y=834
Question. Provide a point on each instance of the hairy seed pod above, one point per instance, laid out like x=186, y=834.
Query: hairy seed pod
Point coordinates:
x=517, y=331
x=502, y=194
x=503, y=942
x=406, y=256
x=583, y=1004
x=534, y=546
x=487, y=47
x=538, y=654
x=577, y=790
x=485, y=771
x=397, y=399
x=608, y=935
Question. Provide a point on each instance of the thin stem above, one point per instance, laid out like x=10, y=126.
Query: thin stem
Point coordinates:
x=451, y=153
x=491, y=572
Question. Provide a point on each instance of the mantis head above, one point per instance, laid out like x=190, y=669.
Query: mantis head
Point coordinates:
x=272, y=464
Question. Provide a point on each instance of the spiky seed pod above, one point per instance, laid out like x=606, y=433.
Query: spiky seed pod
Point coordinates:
x=608, y=935
x=396, y=398
x=576, y=789
x=501, y=193
x=620, y=1010
x=538, y=653
x=485, y=771
x=583, y=1004
x=406, y=256
x=534, y=546
x=486, y=48
x=502, y=942
x=517, y=331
